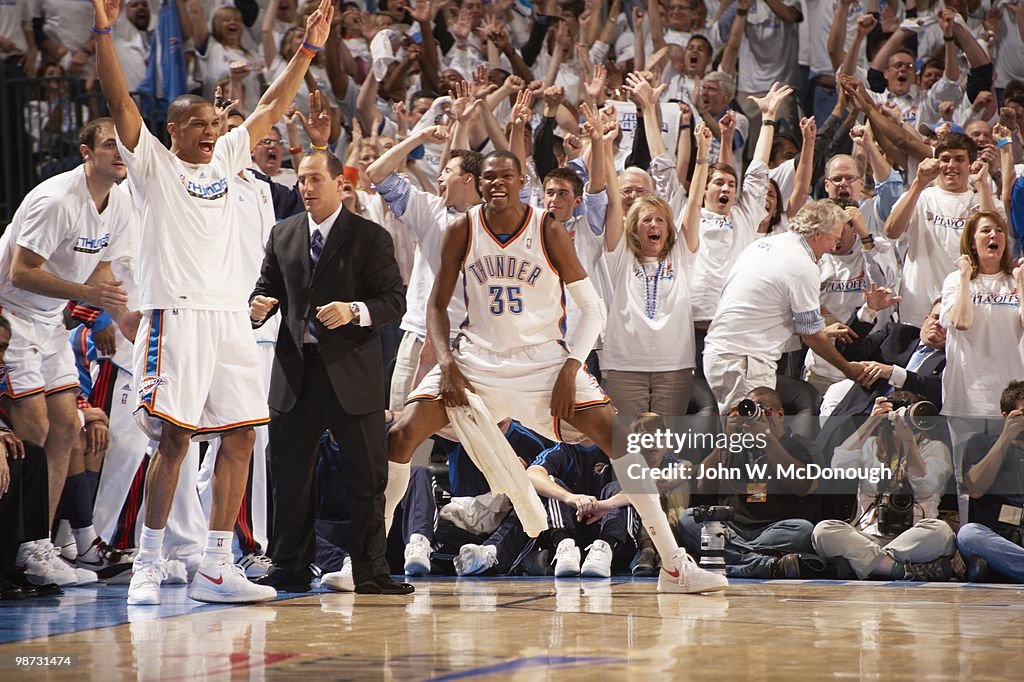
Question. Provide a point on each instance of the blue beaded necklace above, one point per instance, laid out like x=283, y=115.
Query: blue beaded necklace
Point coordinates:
x=651, y=291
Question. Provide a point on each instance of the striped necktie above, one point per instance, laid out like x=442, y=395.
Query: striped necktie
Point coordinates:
x=316, y=247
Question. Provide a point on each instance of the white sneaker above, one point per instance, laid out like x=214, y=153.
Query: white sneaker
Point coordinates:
x=255, y=565
x=226, y=583
x=599, y=561
x=682, y=574
x=42, y=564
x=567, y=559
x=144, y=589
x=417, y=555
x=64, y=540
x=340, y=581
x=174, y=572
x=475, y=559
x=85, y=576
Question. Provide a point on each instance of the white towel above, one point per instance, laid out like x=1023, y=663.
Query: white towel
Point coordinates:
x=481, y=514
x=382, y=52
x=499, y=464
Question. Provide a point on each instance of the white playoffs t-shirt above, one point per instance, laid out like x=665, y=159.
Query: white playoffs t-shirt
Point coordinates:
x=933, y=244
x=774, y=279
x=58, y=221
x=191, y=254
x=980, y=360
x=650, y=327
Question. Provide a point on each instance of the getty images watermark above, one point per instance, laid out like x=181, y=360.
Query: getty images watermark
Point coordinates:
x=757, y=469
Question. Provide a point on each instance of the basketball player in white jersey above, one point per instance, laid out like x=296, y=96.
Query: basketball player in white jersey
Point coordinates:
x=59, y=246
x=517, y=264
x=196, y=361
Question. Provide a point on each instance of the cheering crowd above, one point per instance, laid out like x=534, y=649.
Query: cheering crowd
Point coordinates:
x=219, y=356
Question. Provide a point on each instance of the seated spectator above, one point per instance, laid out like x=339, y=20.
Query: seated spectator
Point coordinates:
x=992, y=544
x=896, y=533
x=772, y=518
x=585, y=507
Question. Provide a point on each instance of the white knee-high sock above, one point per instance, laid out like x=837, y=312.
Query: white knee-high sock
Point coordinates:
x=398, y=483
x=643, y=495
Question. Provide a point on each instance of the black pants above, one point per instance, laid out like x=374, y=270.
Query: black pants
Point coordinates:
x=24, y=510
x=294, y=436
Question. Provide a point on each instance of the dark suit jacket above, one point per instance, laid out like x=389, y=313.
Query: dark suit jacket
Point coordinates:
x=357, y=264
x=893, y=344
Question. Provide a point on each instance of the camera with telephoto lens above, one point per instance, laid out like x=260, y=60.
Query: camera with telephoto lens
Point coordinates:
x=712, y=536
x=896, y=510
x=922, y=415
x=750, y=410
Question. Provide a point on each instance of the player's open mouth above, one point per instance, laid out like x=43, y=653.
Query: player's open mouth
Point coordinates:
x=206, y=147
x=499, y=195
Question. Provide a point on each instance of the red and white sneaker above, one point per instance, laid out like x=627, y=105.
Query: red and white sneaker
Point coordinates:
x=226, y=583
x=682, y=574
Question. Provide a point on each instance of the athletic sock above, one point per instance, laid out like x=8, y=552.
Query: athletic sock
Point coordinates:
x=84, y=537
x=218, y=547
x=643, y=495
x=150, y=543
x=398, y=483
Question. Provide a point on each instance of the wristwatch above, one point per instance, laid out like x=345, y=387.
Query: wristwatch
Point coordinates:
x=354, y=307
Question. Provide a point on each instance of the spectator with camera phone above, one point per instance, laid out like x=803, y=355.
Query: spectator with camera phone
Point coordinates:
x=896, y=533
x=772, y=518
x=993, y=472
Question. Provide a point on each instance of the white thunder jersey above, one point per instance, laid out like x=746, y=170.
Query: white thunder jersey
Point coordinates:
x=58, y=220
x=514, y=296
x=191, y=253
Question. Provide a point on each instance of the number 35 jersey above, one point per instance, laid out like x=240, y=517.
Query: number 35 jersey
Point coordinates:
x=514, y=295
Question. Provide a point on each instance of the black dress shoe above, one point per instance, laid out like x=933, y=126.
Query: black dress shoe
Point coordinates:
x=384, y=584
x=285, y=580
x=20, y=580
x=9, y=590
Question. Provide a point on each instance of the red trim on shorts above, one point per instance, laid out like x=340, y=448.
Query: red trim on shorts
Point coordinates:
x=593, y=403
x=423, y=397
x=232, y=427
x=18, y=396
x=163, y=417
x=54, y=391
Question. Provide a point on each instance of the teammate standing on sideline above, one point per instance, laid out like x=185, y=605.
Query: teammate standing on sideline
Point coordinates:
x=194, y=296
x=517, y=263
x=59, y=247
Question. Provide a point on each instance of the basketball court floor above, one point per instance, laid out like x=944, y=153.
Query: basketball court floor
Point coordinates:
x=529, y=629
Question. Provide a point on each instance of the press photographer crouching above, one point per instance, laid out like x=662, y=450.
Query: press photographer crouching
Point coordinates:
x=994, y=478
x=772, y=518
x=896, y=533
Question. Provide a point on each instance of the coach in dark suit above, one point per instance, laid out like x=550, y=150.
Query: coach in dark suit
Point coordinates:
x=334, y=277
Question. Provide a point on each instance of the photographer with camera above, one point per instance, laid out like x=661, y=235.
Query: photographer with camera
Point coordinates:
x=772, y=519
x=993, y=475
x=896, y=533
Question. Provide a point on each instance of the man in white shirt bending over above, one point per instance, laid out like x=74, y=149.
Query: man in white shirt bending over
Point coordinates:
x=771, y=294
